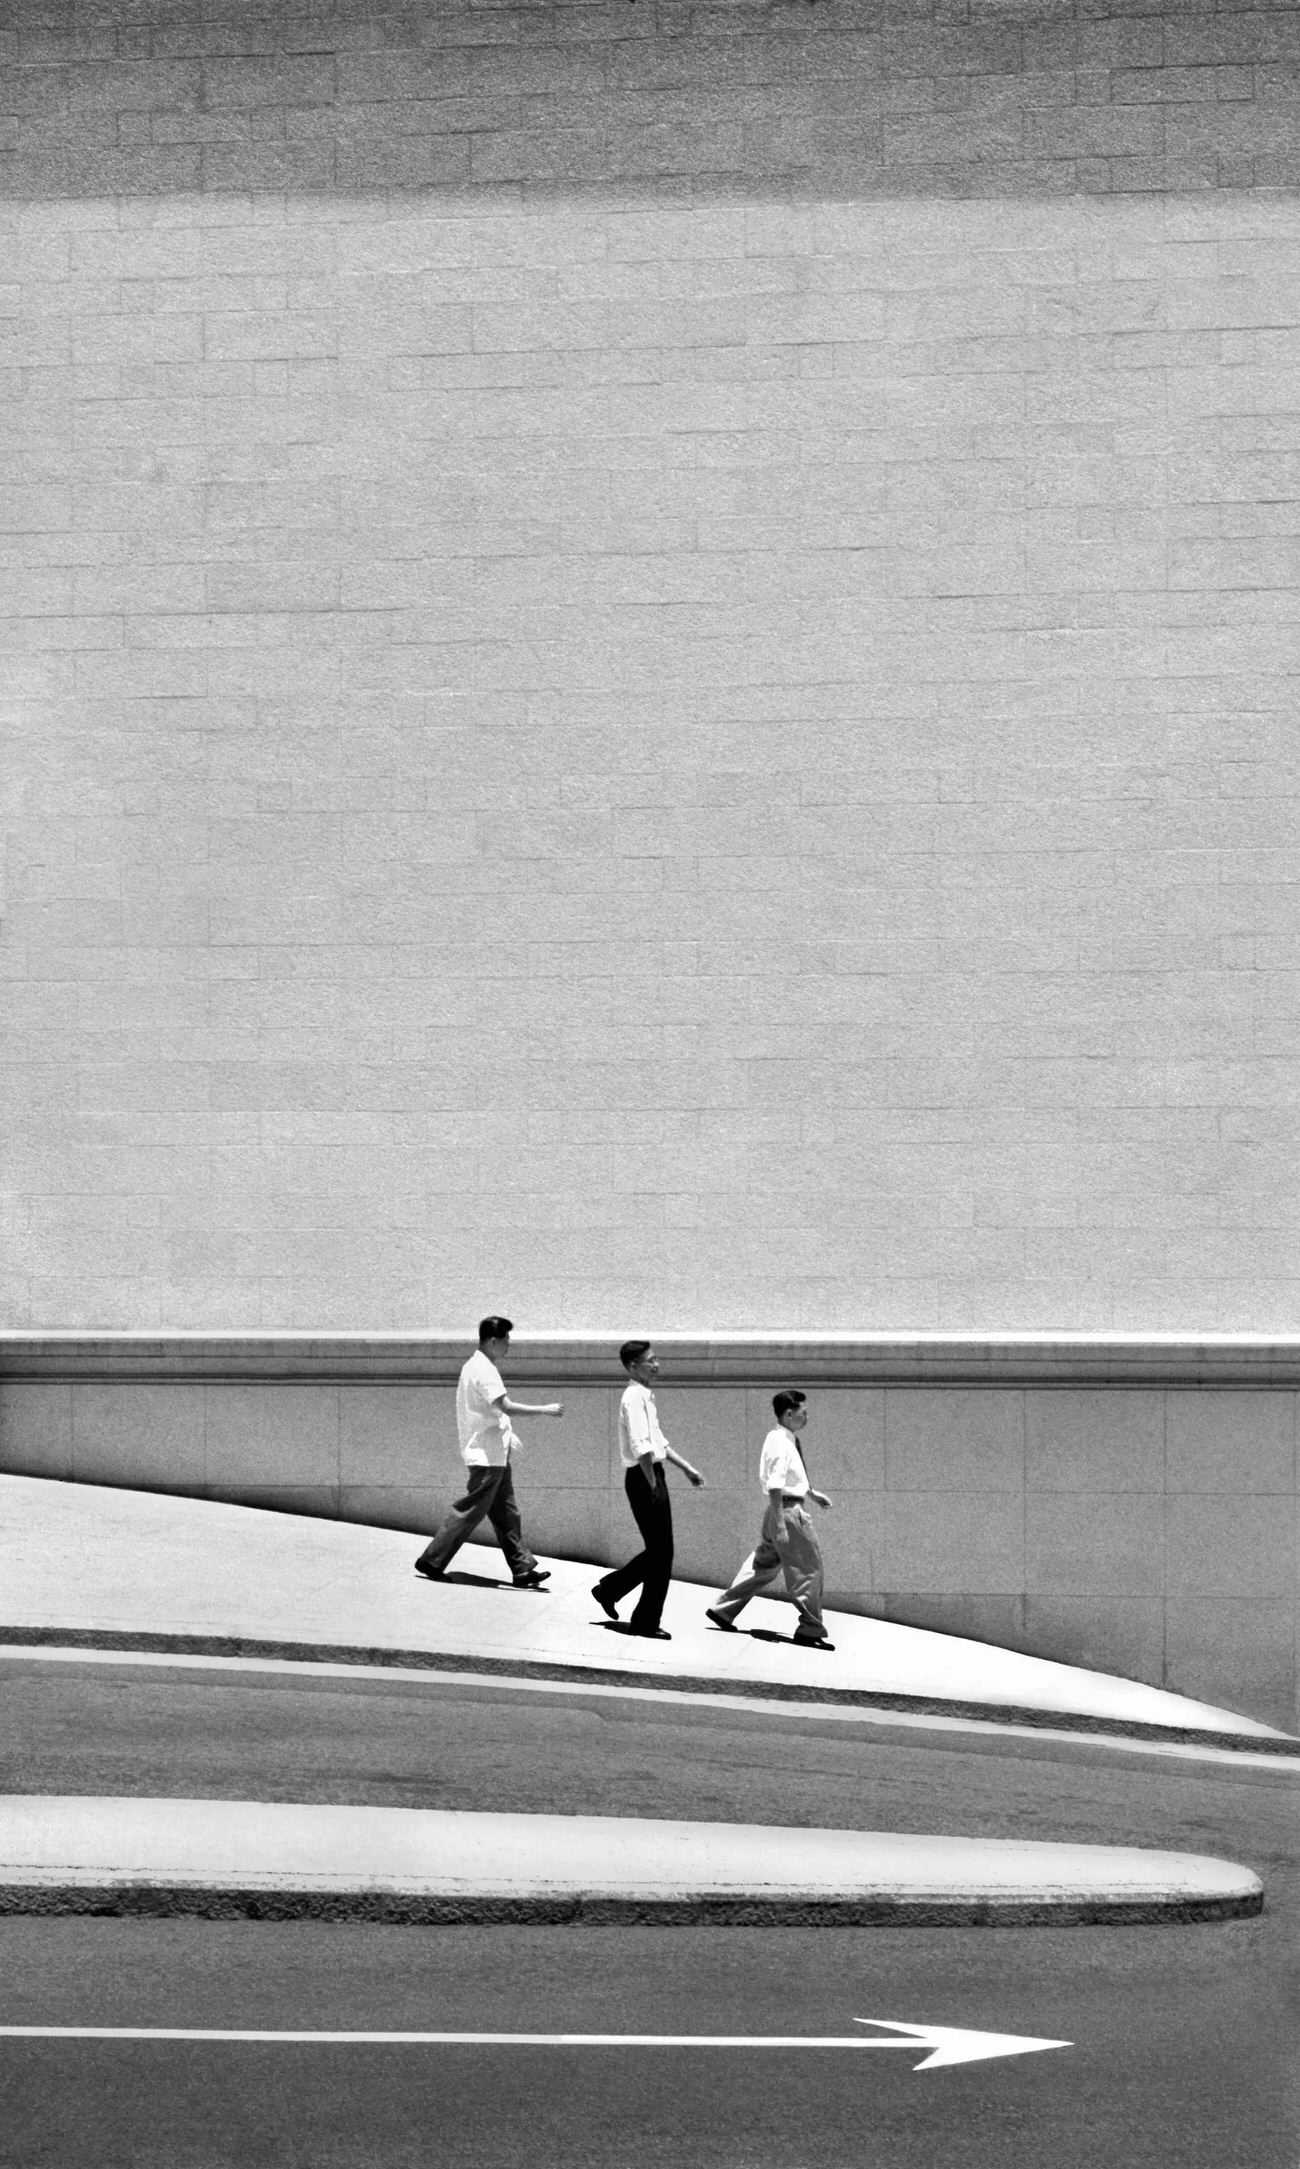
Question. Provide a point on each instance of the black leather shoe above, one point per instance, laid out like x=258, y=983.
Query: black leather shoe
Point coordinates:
x=728, y=1626
x=609, y=1609
x=432, y=1573
x=811, y=1641
x=533, y=1580
x=651, y=1634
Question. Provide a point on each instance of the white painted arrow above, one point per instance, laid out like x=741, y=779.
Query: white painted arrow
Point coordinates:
x=947, y=2044
x=956, y=2044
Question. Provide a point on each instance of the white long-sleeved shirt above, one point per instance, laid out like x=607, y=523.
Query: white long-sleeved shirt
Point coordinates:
x=782, y=1463
x=638, y=1426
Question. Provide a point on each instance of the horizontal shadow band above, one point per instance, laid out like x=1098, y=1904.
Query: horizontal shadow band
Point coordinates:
x=163, y=1901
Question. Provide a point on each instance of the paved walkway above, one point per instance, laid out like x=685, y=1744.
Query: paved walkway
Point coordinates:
x=100, y=1563
x=91, y=1566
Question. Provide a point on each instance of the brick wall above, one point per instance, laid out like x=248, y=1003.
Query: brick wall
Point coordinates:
x=649, y=665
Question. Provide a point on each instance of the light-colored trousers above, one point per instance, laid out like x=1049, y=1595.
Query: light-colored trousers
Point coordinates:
x=799, y=1558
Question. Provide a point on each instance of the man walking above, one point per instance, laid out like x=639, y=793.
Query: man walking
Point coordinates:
x=788, y=1543
x=644, y=1451
x=483, y=1412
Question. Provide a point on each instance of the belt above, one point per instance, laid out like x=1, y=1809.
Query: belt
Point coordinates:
x=793, y=1498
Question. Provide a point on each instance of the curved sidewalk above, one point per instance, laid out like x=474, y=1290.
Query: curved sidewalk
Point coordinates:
x=103, y=1568
x=219, y=1858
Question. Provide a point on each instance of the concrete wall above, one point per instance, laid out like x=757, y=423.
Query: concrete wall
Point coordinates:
x=649, y=665
x=1113, y=1507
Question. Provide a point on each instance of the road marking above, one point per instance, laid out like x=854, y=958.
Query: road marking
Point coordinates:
x=946, y=2044
x=428, y=1676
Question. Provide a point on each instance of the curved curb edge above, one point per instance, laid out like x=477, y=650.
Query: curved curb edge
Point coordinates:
x=425, y=1660
x=393, y=1908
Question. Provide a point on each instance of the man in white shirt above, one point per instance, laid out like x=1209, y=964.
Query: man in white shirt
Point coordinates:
x=644, y=1451
x=788, y=1543
x=483, y=1412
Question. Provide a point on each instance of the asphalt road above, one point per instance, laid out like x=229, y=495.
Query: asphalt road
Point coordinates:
x=123, y=1728
x=1184, y=2038
x=1184, y=2049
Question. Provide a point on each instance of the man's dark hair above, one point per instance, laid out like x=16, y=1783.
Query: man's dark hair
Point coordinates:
x=782, y=1403
x=494, y=1329
x=631, y=1352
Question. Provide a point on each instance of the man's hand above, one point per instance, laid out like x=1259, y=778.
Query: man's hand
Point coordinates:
x=696, y=1479
x=553, y=1408
x=820, y=1497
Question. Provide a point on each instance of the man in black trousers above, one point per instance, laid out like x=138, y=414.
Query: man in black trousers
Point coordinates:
x=644, y=1451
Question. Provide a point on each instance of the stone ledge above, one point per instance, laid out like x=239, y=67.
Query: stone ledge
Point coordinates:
x=434, y=1359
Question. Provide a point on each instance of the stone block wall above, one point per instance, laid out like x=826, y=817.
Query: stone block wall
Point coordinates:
x=648, y=662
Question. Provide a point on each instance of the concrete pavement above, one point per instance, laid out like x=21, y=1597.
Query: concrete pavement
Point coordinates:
x=283, y=1861
x=113, y=1568
x=106, y=1569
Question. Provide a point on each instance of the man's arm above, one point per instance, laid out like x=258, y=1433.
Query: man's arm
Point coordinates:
x=777, y=1496
x=820, y=1497
x=528, y=1408
x=686, y=1469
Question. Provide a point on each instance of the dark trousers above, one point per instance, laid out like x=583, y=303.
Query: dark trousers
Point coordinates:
x=490, y=1492
x=652, y=1566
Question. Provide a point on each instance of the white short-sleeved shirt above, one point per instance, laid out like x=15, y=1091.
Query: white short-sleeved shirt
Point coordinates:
x=485, y=1434
x=638, y=1426
x=782, y=1463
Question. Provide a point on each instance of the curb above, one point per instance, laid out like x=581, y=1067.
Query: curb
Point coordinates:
x=230, y=1645
x=281, y=1860
x=176, y=1901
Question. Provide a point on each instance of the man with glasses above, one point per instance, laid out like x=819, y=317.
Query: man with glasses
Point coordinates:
x=644, y=1451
